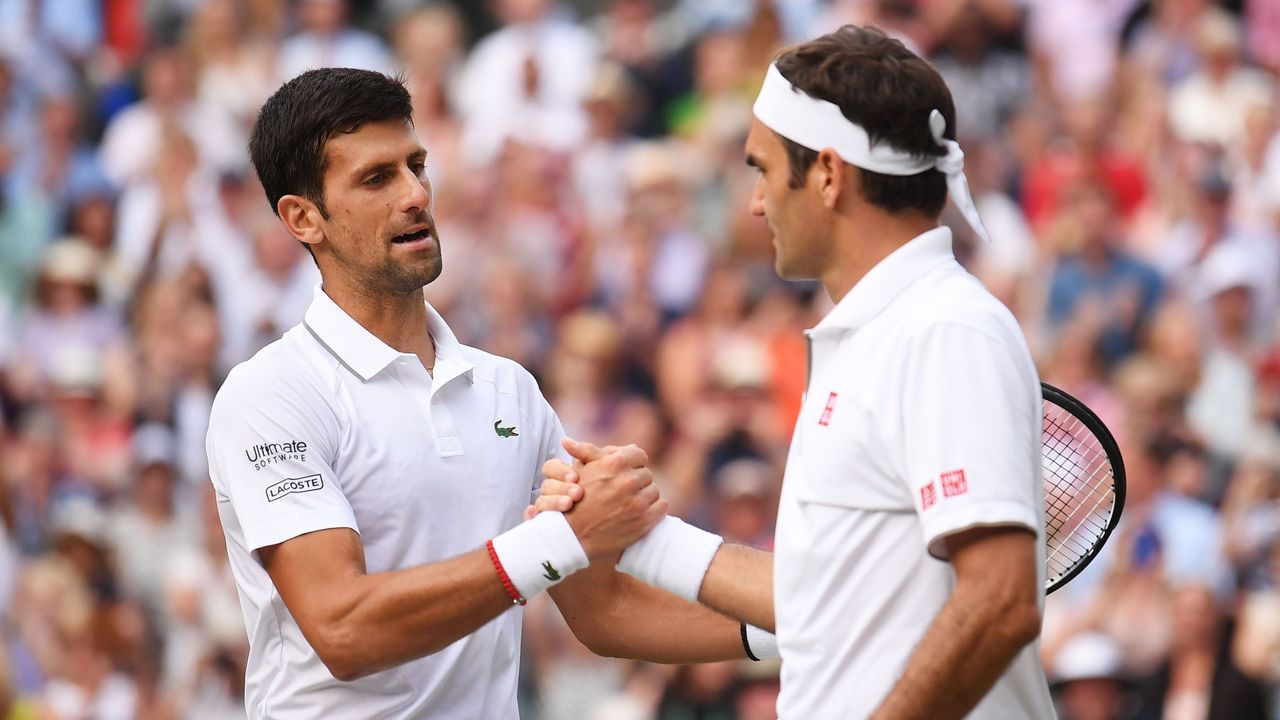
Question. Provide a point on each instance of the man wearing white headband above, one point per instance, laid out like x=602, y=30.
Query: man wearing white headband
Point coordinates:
x=908, y=580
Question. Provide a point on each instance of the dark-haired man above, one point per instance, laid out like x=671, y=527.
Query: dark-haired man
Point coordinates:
x=371, y=471
x=908, y=579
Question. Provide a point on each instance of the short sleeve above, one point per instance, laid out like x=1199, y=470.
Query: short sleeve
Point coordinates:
x=549, y=446
x=971, y=429
x=271, y=445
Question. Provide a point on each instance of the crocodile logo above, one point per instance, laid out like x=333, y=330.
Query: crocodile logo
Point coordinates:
x=551, y=573
x=504, y=431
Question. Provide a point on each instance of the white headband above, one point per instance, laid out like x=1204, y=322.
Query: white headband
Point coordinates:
x=818, y=124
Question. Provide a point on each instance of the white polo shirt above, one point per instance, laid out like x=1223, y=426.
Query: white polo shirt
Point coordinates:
x=922, y=418
x=328, y=427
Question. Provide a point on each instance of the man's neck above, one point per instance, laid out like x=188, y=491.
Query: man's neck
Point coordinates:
x=862, y=245
x=400, y=321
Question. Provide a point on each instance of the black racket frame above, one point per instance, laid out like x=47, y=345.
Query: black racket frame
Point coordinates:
x=1066, y=401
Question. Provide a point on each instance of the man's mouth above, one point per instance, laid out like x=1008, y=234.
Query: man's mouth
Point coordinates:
x=412, y=237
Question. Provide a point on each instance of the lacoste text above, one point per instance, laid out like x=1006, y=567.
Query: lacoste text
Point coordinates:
x=294, y=485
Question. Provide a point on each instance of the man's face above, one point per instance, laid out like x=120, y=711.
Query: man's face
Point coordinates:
x=792, y=213
x=380, y=232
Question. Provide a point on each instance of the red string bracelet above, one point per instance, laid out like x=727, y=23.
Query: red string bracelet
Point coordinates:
x=516, y=597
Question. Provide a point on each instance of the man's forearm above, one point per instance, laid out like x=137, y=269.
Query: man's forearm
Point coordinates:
x=966, y=649
x=385, y=619
x=739, y=584
x=616, y=615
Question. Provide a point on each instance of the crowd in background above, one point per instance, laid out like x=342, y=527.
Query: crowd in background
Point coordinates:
x=591, y=197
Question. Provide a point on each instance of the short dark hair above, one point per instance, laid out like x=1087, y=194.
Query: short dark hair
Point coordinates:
x=888, y=90
x=287, y=144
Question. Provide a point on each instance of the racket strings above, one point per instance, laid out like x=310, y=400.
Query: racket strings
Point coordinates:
x=1079, y=489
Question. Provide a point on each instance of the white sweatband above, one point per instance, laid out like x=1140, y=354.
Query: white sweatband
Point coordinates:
x=759, y=644
x=674, y=556
x=539, y=553
x=818, y=124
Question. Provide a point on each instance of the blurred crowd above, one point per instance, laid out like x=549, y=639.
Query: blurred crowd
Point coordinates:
x=591, y=198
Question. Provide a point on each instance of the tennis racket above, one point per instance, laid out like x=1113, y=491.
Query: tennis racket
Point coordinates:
x=1083, y=486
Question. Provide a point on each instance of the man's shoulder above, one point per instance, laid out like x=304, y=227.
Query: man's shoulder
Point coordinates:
x=952, y=298
x=285, y=367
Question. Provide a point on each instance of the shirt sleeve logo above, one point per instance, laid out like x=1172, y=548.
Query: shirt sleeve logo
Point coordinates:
x=264, y=454
x=294, y=485
x=825, y=420
x=928, y=496
x=954, y=483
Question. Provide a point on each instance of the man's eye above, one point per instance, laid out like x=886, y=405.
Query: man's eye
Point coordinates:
x=418, y=168
x=375, y=180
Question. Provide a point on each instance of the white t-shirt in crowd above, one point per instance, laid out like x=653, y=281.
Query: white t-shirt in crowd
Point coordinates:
x=330, y=428
x=922, y=419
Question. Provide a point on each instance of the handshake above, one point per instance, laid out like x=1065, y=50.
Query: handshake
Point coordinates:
x=608, y=496
x=604, y=507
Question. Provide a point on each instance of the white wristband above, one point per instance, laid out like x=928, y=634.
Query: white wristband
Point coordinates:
x=539, y=553
x=674, y=556
x=760, y=644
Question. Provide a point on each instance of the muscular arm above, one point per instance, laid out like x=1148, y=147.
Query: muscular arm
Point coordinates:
x=739, y=584
x=360, y=623
x=616, y=615
x=991, y=615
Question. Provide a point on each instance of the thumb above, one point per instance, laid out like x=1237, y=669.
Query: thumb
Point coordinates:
x=584, y=451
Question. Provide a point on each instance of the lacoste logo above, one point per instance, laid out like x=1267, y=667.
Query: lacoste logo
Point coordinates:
x=504, y=431
x=294, y=485
x=551, y=573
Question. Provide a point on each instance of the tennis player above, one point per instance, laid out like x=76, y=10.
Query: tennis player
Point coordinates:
x=908, y=577
x=371, y=471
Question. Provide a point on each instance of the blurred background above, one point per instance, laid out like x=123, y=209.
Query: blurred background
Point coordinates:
x=591, y=197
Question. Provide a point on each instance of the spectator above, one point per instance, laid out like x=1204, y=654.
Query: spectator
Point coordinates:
x=326, y=39
x=131, y=145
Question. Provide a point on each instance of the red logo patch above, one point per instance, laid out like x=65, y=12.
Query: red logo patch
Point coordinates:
x=953, y=483
x=825, y=420
x=928, y=496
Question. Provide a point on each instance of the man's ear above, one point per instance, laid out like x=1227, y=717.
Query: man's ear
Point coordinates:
x=302, y=218
x=828, y=176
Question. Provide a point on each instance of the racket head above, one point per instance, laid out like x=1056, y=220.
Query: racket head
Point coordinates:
x=1077, y=448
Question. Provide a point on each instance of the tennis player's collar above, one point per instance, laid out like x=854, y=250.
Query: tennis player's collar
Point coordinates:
x=884, y=282
x=361, y=352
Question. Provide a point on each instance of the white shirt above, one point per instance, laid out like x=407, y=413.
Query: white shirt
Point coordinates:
x=922, y=418
x=330, y=428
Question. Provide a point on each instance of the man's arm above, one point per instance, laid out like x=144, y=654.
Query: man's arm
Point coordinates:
x=642, y=622
x=991, y=615
x=739, y=584
x=616, y=615
x=360, y=623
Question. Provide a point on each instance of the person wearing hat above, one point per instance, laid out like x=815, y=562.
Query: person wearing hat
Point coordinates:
x=1089, y=679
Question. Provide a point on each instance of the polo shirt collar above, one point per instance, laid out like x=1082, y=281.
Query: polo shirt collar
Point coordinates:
x=361, y=352
x=884, y=282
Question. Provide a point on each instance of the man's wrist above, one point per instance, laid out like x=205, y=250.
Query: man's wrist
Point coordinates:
x=536, y=554
x=674, y=556
x=759, y=644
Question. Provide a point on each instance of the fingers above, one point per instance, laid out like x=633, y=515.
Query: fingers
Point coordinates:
x=552, y=503
x=558, y=488
x=556, y=469
x=582, y=451
x=531, y=512
x=634, y=455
